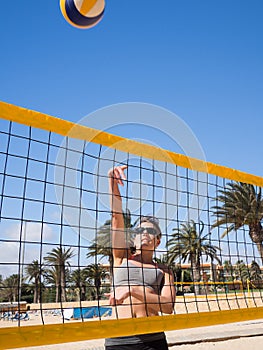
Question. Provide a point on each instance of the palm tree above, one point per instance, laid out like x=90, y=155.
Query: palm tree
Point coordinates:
x=241, y=205
x=180, y=275
x=164, y=260
x=187, y=243
x=228, y=270
x=96, y=272
x=52, y=278
x=34, y=272
x=79, y=279
x=58, y=259
x=102, y=243
x=9, y=288
x=255, y=272
x=242, y=271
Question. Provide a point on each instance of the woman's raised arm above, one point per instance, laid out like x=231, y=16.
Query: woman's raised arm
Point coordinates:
x=119, y=245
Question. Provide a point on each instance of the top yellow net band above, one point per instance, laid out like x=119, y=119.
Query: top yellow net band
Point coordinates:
x=66, y=128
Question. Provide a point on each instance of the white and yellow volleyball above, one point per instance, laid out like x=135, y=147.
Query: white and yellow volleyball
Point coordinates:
x=82, y=13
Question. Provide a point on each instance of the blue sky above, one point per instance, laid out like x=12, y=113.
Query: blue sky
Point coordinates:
x=200, y=59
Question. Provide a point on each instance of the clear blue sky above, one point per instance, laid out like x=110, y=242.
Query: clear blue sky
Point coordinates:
x=200, y=59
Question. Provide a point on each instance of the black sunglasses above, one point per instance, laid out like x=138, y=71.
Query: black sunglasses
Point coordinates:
x=150, y=230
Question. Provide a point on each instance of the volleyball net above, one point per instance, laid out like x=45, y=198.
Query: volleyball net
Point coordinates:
x=55, y=232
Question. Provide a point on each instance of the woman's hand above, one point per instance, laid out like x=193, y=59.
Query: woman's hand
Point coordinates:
x=117, y=174
x=118, y=296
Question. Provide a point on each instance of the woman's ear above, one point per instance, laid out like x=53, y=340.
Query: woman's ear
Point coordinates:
x=157, y=242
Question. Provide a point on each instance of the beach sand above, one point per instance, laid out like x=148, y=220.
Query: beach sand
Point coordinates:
x=255, y=343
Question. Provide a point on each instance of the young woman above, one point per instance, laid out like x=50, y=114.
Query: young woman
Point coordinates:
x=140, y=287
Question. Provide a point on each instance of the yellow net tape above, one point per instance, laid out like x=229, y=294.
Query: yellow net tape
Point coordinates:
x=54, y=334
x=62, y=127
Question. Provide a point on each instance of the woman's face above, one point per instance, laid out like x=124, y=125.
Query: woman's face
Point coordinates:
x=146, y=236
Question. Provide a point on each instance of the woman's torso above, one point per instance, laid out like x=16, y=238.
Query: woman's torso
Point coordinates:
x=133, y=273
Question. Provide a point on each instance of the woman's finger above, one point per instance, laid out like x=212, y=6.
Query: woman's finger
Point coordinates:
x=123, y=167
x=122, y=174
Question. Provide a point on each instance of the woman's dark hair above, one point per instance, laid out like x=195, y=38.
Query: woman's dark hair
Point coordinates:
x=153, y=220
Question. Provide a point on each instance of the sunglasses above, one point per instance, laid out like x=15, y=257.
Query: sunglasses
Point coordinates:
x=150, y=230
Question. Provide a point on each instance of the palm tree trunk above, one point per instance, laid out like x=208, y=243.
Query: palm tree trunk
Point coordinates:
x=36, y=292
x=58, y=294
x=13, y=298
x=260, y=250
x=63, y=284
x=182, y=280
x=97, y=286
x=196, y=274
x=82, y=292
x=111, y=264
x=256, y=235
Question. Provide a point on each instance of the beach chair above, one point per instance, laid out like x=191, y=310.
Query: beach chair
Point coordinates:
x=24, y=316
x=16, y=317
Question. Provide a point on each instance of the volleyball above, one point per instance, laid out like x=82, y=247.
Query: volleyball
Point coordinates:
x=82, y=13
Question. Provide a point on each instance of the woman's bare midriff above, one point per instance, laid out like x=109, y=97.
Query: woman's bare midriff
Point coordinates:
x=134, y=308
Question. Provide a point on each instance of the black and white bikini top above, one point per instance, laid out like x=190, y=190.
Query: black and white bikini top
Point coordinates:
x=129, y=274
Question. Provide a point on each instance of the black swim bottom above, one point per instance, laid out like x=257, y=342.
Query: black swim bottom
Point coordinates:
x=155, y=345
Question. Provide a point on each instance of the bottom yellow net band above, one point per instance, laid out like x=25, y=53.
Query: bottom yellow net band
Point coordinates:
x=15, y=337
